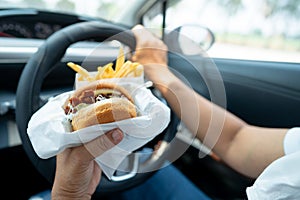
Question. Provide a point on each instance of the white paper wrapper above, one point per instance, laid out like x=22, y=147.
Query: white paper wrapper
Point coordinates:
x=48, y=135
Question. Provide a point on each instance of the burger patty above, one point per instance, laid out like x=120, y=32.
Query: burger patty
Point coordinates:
x=89, y=97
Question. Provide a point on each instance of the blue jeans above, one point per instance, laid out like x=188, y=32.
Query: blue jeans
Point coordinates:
x=166, y=184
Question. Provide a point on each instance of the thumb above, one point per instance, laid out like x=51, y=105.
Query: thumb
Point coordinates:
x=137, y=27
x=103, y=143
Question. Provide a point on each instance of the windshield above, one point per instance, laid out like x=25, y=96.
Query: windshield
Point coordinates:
x=105, y=9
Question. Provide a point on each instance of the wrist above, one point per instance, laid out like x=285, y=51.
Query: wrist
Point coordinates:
x=56, y=196
x=162, y=78
x=59, y=193
x=156, y=72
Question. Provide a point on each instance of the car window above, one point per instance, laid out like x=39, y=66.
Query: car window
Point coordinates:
x=105, y=9
x=244, y=29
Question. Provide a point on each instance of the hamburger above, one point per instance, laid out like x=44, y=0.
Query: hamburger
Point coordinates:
x=99, y=103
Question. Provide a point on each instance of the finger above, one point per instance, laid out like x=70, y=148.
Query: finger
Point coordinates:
x=137, y=32
x=133, y=58
x=141, y=33
x=146, y=39
x=98, y=146
x=137, y=27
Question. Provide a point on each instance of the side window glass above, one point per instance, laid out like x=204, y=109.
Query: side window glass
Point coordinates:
x=154, y=19
x=244, y=29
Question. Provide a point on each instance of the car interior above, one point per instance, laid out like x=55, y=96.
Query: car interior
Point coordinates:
x=36, y=44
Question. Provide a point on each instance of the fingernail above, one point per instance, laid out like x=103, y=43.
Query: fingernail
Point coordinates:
x=117, y=136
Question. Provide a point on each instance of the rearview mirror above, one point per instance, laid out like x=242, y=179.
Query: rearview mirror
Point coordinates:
x=190, y=39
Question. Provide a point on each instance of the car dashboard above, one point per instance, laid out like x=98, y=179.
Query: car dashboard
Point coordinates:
x=31, y=23
x=22, y=32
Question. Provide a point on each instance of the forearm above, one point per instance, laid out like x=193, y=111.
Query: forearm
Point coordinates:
x=254, y=148
x=213, y=125
x=246, y=148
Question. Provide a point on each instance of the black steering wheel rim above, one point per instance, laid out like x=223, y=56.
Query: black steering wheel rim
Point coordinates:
x=28, y=92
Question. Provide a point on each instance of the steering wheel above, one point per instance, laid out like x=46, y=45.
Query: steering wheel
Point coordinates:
x=28, y=99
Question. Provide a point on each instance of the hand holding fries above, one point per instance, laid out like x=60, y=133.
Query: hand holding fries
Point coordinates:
x=122, y=69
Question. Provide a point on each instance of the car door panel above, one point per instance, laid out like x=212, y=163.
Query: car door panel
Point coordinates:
x=261, y=93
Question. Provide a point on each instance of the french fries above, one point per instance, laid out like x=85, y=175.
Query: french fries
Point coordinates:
x=122, y=69
x=84, y=74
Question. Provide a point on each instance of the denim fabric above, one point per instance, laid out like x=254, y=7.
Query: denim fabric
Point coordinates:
x=166, y=184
